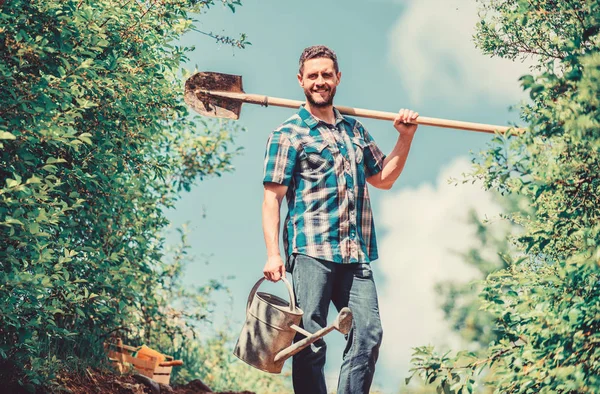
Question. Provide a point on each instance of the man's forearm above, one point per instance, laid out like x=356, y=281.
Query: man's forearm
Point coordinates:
x=270, y=220
x=394, y=162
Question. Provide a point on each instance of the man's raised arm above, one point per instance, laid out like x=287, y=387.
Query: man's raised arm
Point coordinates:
x=394, y=162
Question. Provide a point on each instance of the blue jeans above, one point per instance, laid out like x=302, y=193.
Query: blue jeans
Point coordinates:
x=317, y=283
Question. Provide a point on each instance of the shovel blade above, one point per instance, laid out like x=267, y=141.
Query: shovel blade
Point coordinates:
x=197, y=94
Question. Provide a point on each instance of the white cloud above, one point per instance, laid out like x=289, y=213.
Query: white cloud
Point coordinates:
x=424, y=226
x=432, y=47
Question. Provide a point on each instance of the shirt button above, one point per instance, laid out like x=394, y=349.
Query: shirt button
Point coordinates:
x=352, y=233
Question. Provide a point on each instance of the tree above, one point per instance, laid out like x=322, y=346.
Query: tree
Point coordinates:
x=546, y=303
x=95, y=143
x=460, y=302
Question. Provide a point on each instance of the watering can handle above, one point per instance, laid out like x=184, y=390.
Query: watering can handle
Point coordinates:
x=290, y=292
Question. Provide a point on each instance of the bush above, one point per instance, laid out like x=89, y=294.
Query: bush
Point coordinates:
x=95, y=144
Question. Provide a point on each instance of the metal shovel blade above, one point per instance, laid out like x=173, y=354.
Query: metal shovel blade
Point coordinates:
x=196, y=96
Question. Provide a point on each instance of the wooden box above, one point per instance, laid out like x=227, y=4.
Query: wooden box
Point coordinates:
x=157, y=368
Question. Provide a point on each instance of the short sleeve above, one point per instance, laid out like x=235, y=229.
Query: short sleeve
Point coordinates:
x=373, y=156
x=280, y=159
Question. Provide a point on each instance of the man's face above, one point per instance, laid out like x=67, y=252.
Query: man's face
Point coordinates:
x=319, y=81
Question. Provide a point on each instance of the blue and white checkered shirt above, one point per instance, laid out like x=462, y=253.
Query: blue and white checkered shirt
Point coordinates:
x=325, y=168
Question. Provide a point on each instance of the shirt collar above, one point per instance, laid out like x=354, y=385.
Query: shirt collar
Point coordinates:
x=313, y=122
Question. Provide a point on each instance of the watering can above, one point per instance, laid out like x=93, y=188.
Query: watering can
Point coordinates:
x=271, y=325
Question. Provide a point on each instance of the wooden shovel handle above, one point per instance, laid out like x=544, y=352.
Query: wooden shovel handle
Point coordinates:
x=366, y=113
x=173, y=363
x=381, y=115
x=423, y=120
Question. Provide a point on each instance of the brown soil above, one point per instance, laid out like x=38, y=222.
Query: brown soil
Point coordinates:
x=98, y=382
x=197, y=387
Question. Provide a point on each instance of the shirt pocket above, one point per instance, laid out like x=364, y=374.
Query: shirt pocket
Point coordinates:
x=359, y=145
x=317, y=156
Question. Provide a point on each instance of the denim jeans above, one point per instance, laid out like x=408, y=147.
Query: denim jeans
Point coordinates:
x=317, y=283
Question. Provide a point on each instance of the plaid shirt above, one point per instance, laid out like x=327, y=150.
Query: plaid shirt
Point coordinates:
x=325, y=168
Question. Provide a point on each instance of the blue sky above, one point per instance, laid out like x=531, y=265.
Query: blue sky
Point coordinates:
x=392, y=54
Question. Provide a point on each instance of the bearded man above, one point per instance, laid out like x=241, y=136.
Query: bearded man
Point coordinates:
x=321, y=162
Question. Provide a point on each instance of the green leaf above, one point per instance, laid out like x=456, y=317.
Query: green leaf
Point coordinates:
x=85, y=137
x=10, y=183
x=34, y=228
x=33, y=179
x=10, y=220
x=55, y=160
x=50, y=168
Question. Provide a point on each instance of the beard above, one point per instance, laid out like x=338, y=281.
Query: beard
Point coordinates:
x=320, y=102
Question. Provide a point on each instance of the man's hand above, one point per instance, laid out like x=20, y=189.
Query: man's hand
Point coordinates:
x=403, y=125
x=274, y=269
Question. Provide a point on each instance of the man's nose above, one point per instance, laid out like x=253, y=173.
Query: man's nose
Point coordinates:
x=320, y=80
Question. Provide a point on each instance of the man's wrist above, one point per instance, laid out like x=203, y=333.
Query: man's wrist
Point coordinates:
x=406, y=137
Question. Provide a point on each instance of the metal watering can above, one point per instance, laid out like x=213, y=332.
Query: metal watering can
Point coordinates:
x=271, y=325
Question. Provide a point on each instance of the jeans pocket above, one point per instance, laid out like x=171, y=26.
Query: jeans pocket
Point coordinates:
x=289, y=263
x=363, y=271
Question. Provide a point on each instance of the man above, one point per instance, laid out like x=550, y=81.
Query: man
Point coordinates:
x=321, y=161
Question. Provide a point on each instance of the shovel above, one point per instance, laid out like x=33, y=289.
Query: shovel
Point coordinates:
x=221, y=95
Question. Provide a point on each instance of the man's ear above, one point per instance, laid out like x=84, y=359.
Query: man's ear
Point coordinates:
x=339, y=77
x=300, y=81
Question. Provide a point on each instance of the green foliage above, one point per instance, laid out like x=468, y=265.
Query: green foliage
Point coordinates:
x=460, y=303
x=95, y=144
x=546, y=301
x=213, y=362
x=178, y=327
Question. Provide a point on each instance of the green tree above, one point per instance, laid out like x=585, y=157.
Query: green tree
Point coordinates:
x=95, y=144
x=546, y=302
x=495, y=250
x=459, y=300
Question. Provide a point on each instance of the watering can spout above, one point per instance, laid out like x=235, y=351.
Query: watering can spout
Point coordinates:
x=342, y=323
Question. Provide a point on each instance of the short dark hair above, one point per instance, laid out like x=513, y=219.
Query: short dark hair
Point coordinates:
x=317, y=51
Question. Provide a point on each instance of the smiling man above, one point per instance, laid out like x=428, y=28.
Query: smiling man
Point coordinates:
x=321, y=162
